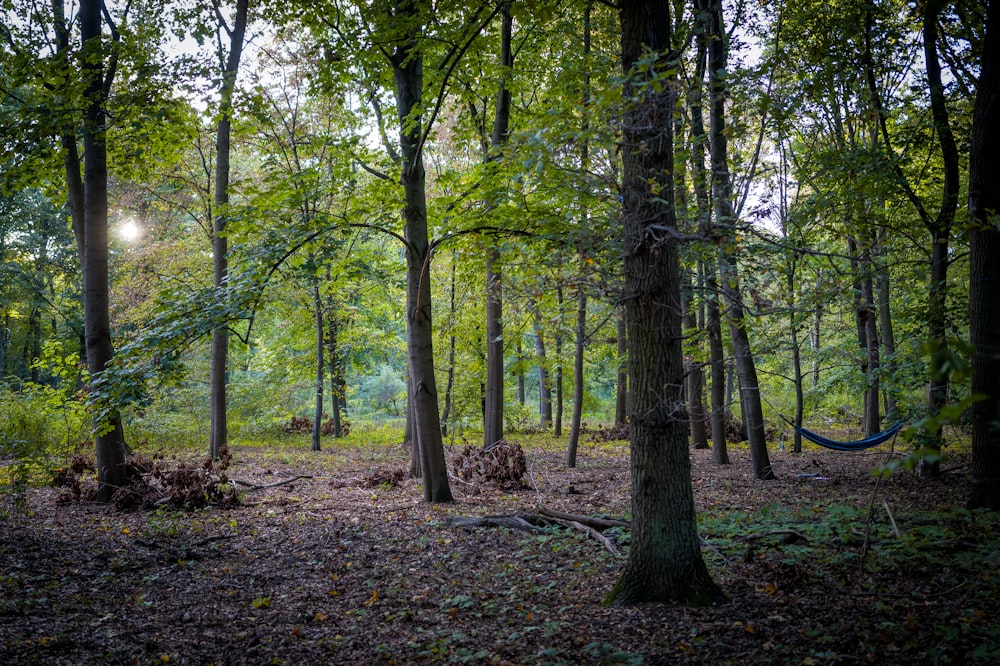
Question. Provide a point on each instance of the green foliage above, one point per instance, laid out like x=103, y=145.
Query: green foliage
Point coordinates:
x=39, y=426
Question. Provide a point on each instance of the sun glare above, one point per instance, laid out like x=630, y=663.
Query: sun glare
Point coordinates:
x=129, y=231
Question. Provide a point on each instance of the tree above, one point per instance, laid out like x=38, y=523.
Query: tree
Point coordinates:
x=109, y=440
x=664, y=562
x=218, y=378
x=407, y=68
x=984, y=274
x=494, y=402
x=710, y=15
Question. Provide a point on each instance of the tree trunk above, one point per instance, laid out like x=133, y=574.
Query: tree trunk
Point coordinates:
x=814, y=341
x=493, y=416
x=320, y=366
x=407, y=65
x=621, y=391
x=493, y=407
x=450, y=381
x=887, y=337
x=693, y=375
x=521, y=388
x=664, y=562
x=984, y=275
x=753, y=416
x=557, y=418
x=717, y=364
x=110, y=448
x=219, y=375
x=579, y=348
x=866, y=320
x=544, y=389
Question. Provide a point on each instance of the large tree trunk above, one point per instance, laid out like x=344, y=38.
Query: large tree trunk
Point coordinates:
x=407, y=65
x=218, y=374
x=984, y=277
x=110, y=449
x=752, y=411
x=664, y=562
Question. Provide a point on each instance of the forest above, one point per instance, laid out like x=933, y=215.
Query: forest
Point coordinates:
x=504, y=331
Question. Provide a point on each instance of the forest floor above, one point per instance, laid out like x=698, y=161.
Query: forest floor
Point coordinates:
x=350, y=566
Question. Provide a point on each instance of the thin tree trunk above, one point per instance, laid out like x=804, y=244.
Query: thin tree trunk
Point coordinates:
x=450, y=381
x=493, y=417
x=814, y=342
x=557, y=418
x=581, y=294
x=937, y=394
x=717, y=365
x=865, y=319
x=578, y=384
x=984, y=272
x=218, y=374
x=320, y=366
x=621, y=391
x=521, y=393
x=544, y=388
x=752, y=411
x=693, y=374
x=888, y=336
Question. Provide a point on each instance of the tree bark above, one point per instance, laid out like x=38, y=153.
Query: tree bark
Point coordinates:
x=218, y=374
x=664, y=562
x=407, y=64
x=984, y=275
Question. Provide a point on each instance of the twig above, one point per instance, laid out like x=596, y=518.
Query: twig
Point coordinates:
x=895, y=528
x=253, y=486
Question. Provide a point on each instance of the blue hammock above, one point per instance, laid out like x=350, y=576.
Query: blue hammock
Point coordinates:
x=859, y=445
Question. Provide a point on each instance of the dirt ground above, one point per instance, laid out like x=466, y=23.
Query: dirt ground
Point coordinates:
x=339, y=569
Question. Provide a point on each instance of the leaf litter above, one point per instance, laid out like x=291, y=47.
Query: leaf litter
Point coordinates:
x=331, y=557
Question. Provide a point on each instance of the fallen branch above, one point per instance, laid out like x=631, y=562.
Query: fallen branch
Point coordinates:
x=254, y=486
x=788, y=536
x=513, y=522
x=596, y=534
x=597, y=523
